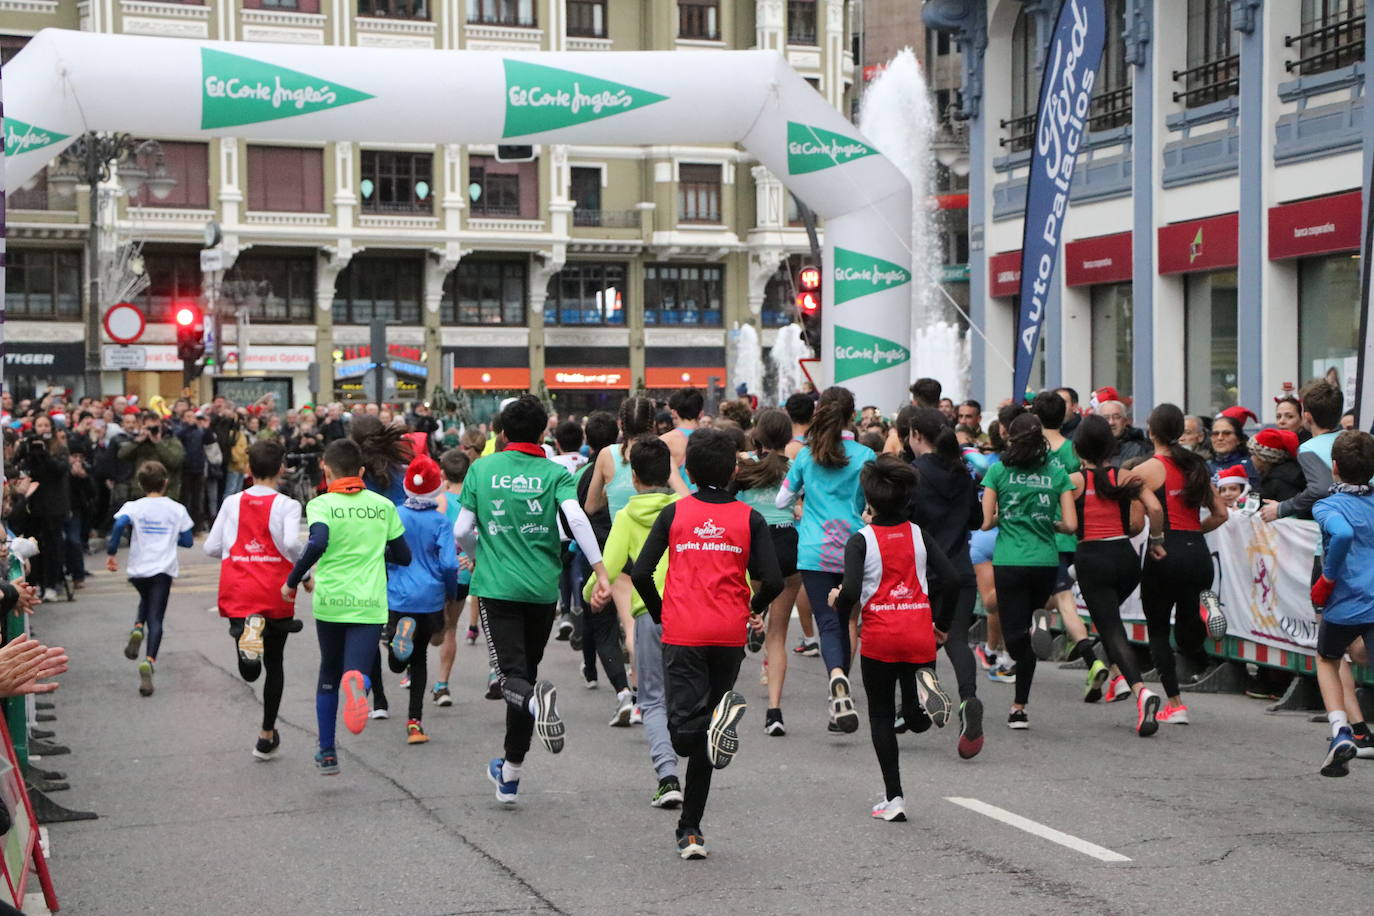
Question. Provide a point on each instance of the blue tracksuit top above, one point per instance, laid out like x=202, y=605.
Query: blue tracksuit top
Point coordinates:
x=432, y=576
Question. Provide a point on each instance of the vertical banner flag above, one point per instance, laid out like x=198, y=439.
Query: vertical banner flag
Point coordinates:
x=1364, y=365
x=1066, y=90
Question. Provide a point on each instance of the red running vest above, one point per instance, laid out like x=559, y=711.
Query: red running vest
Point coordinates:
x=1100, y=518
x=251, y=577
x=1178, y=515
x=896, y=625
x=706, y=593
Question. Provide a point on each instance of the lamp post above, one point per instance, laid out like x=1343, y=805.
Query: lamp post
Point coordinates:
x=94, y=158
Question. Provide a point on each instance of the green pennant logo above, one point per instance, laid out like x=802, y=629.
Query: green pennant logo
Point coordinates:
x=25, y=138
x=859, y=274
x=239, y=90
x=857, y=353
x=811, y=149
x=540, y=98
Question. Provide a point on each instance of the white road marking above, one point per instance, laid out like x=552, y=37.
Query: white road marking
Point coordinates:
x=1039, y=829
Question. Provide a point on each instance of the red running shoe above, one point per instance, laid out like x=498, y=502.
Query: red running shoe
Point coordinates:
x=1118, y=689
x=355, y=711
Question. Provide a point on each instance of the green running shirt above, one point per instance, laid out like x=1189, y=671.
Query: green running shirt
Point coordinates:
x=350, y=579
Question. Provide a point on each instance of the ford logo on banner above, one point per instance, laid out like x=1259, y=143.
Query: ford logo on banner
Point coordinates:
x=1066, y=90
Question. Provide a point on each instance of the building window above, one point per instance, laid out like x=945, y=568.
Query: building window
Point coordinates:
x=1328, y=316
x=1020, y=127
x=585, y=188
x=1332, y=36
x=189, y=164
x=397, y=182
x=1210, y=341
x=394, y=9
x=698, y=19
x=698, y=194
x=379, y=289
x=780, y=295
x=502, y=12
x=587, y=18
x=1113, y=336
x=11, y=45
x=272, y=288
x=43, y=283
x=485, y=292
x=1213, y=70
x=285, y=179
x=1111, y=103
x=295, y=6
x=172, y=277
x=499, y=189
x=582, y=294
x=677, y=294
x=801, y=22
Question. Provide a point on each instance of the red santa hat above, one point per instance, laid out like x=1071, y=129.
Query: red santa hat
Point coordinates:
x=1274, y=445
x=131, y=409
x=423, y=478
x=1103, y=395
x=1241, y=415
x=1234, y=475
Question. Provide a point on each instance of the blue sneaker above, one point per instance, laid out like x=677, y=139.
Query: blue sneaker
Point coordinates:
x=1002, y=674
x=505, y=791
x=327, y=760
x=403, y=643
x=1338, y=756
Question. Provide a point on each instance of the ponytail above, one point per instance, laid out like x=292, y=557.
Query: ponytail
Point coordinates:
x=930, y=423
x=825, y=438
x=772, y=431
x=1166, y=427
x=636, y=419
x=1094, y=442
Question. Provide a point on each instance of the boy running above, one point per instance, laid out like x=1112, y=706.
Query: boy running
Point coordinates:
x=354, y=533
x=516, y=497
x=256, y=537
x=159, y=526
x=454, y=463
x=715, y=546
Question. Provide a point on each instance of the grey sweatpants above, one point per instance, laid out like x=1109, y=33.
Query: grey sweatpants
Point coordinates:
x=652, y=703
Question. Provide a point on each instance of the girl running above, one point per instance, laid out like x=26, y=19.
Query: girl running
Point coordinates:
x=1019, y=498
x=826, y=473
x=1112, y=506
x=1178, y=567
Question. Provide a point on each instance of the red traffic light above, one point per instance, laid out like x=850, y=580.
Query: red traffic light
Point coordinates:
x=809, y=302
x=809, y=278
x=187, y=315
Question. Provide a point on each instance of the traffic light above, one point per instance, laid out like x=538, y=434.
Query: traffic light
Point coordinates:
x=190, y=323
x=809, y=303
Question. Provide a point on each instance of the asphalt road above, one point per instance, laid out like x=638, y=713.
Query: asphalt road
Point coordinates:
x=1227, y=815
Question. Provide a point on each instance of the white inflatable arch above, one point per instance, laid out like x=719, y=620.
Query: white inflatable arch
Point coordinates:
x=64, y=83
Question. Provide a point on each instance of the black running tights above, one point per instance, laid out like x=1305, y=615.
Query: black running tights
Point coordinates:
x=880, y=688
x=1108, y=571
x=1022, y=590
x=957, y=646
x=273, y=668
x=1174, y=585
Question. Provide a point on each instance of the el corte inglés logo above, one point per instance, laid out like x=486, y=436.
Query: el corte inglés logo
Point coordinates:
x=239, y=90
x=858, y=274
x=540, y=98
x=857, y=353
x=810, y=149
x=25, y=138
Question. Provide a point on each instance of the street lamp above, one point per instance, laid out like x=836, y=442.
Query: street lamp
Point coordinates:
x=94, y=158
x=950, y=145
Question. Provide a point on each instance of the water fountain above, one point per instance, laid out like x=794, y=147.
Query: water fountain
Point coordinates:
x=746, y=366
x=788, y=349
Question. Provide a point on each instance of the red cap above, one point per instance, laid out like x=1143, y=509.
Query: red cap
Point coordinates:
x=423, y=478
x=131, y=409
x=1280, y=440
x=1234, y=474
x=1240, y=415
x=1106, y=393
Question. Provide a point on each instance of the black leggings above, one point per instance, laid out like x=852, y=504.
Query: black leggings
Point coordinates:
x=1108, y=571
x=1175, y=585
x=426, y=625
x=1022, y=590
x=957, y=647
x=694, y=680
x=153, y=592
x=517, y=633
x=273, y=654
x=880, y=687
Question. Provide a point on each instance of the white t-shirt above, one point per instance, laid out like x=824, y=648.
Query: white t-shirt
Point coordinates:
x=157, y=523
x=573, y=461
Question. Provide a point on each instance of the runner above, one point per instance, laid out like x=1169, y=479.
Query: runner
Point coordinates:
x=1019, y=498
x=1112, y=506
x=685, y=406
x=158, y=525
x=892, y=570
x=801, y=408
x=826, y=474
x=568, y=437
x=454, y=463
x=354, y=533
x=992, y=653
x=1178, y=567
x=601, y=631
x=256, y=537
x=715, y=546
x=516, y=497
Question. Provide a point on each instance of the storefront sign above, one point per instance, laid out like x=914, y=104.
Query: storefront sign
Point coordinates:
x=45, y=358
x=1200, y=244
x=351, y=362
x=683, y=376
x=123, y=357
x=1104, y=259
x=491, y=379
x=595, y=377
x=1320, y=226
x=163, y=358
x=1004, y=274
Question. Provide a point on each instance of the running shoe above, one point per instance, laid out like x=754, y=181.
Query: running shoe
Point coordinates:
x=575, y=640
x=899, y=725
x=1018, y=720
x=327, y=761
x=624, y=706
x=833, y=728
x=1117, y=689
x=1042, y=640
x=970, y=728
x=442, y=696
x=355, y=711
x=381, y=712
x=1003, y=674
x=890, y=809
x=493, y=686
x=1097, y=676
x=403, y=642
x=1364, y=746
x=266, y=748
x=842, y=712
x=135, y=640
x=1146, y=713
x=145, y=678
x=986, y=657
x=415, y=732
x=1210, y=608
x=1173, y=715
x=472, y=636
x=548, y=725
x=772, y=723
x=691, y=844
x=565, y=627
x=810, y=648
x=1339, y=754
x=913, y=719
x=405, y=681
x=668, y=794
x=756, y=639
x=932, y=697
x=505, y=791
x=722, y=736
x=636, y=715
x=250, y=647
x=589, y=677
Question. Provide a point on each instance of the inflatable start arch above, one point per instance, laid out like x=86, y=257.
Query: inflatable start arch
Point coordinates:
x=65, y=83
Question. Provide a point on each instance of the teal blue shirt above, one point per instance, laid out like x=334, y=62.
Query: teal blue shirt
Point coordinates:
x=834, y=504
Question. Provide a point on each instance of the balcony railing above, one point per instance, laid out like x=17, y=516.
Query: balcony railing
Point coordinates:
x=415, y=208
x=1327, y=48
x=1208, y=82
x=1110, y=109
x=482, y=212
x=1020, y=133
x=607, y=219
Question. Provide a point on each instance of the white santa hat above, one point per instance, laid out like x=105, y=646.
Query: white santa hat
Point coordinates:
x=1234, y=475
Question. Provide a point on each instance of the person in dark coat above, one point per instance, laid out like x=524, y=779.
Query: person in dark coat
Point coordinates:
x=1275, y=453
x=43, y=454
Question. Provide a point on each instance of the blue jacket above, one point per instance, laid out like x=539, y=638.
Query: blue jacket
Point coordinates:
x=432, y=576
x=1348, y=542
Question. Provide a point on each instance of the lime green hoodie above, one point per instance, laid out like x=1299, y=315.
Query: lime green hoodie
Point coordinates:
x=628, y=534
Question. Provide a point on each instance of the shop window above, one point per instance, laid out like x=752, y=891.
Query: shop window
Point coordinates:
x=1113, y=337
x=1213, y=71
x=587, y=18
x=394, y=9
x=698, y=194
x=582, y=294
x=801, y=22
x=502, y=12
x=394, y=182
x=379, y=289
x=285, y=179
x=485, y=293
x=189, y=164
x=698, y=19
x=271, y=288
x=1328, y=315
x=585, y=188
x=503, y=189
x=677, y=294
x=172, y=277
x=1212, y=357
x=43, y=283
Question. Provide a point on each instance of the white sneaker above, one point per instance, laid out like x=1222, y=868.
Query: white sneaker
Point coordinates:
x=382, y=713
x=636, y=716
x=623, y=710
x=890, y=809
